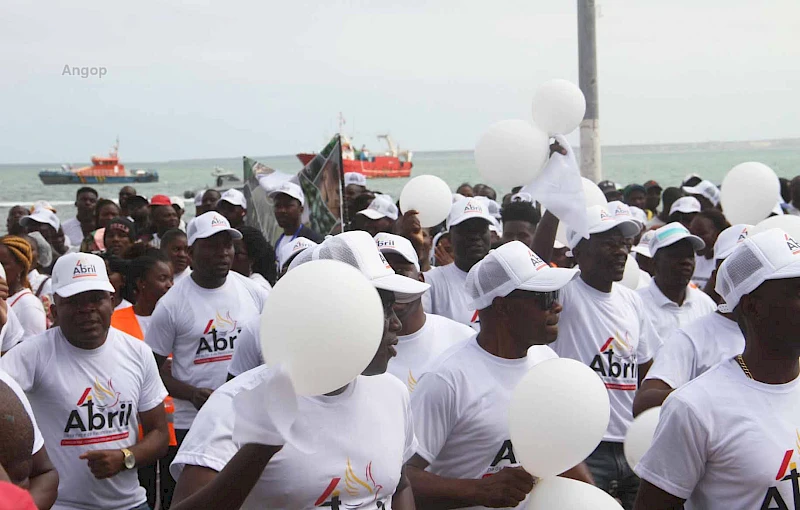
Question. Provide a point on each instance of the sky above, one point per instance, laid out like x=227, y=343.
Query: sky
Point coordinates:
x=203, y=79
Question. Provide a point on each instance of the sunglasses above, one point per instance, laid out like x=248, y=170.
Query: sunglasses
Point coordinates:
x=545, y=300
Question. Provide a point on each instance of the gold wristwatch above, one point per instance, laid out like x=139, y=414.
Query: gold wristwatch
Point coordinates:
x=130, y=460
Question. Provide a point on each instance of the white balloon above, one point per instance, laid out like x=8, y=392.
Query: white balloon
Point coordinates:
x=324, y=322
x=787, y=222
x=430, y=196
x=749, y=193
x=640, y=435
x=592, y=196
x=558, y=107
x=511, y=153
x=558, y=415
x=630, y=278
x=565, y=494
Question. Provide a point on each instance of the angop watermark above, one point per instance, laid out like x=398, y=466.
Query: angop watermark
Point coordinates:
x=84, y=71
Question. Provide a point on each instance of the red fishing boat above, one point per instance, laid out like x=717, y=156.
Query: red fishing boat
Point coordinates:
x=392, y=163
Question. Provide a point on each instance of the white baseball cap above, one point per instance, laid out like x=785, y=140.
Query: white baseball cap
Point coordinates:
x=685, y=205
x=355, y=178
x=622, y=211
x=643, y=248
x=234, y=197
x=178, y=201
x=357, y=248
x=198, y=197
x=638, y=215
x=291, y=189
x=599, y=220
x=704, y=188
x=468, y=208
x=513, y=266
x=45, y=216
x=382, y=206
x=729, y=239
x=769, y=255
x=670, y=234
x=74, y=273
x=391, y=243
x=207, y=225
x=288, y=250
x=522, y=197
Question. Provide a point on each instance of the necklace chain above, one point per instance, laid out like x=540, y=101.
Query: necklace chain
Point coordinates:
x=742, y=364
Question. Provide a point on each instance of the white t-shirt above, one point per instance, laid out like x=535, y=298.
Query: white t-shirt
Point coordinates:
x=694, y=349
x=667, y=316
x=88, y=400
x=612, y=334
x=123, y=304
x=73, y=231
x=418, y=351
x=38, y=280
x=359, y=441
x=247, y=355
x=144, y=322
x=30, y=312
x=727, y=442
x=256, y=277
x=460, y=410
x=703, y=268
x=38, y=441
x=12, y=332
x=448, y=295
x=199, y=327
x=180, y=276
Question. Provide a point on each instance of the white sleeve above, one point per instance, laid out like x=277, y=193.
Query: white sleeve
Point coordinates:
x=676, y=361
x=21, y=363
x=38, y=441
x=12, y=332
x=161, y=332
x=247, y=354
x=209, y=442
x=153, y=390
x=676, y=460
x=412, y=445
x=433, y=407
x=32, y=318
x=649, y=341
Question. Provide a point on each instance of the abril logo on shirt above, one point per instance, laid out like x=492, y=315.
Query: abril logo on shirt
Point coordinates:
x=101, y=415
x=216, y=344
x=616, y=364
x=505, y=453
x=787, y=472
x=355, y=491
x=83, y=269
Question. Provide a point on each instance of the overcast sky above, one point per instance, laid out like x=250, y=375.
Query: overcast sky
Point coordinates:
x=200, y=79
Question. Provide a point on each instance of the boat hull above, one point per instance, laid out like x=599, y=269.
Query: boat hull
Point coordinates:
x=379, y=167
x=56, y=177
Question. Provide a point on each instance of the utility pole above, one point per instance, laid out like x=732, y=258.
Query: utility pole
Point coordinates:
x=587, y=80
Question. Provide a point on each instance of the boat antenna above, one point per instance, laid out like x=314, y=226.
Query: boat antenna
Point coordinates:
x=115, y=149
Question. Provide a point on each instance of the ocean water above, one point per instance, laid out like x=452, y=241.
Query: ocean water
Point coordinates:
x=19, y=184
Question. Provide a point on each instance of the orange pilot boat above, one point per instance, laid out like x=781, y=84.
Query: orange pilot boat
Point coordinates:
x=104, y=170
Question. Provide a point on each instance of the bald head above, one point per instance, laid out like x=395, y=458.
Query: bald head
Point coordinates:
x=16, y=436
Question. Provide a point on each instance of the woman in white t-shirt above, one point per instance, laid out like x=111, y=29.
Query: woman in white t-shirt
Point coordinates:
x=16, y=255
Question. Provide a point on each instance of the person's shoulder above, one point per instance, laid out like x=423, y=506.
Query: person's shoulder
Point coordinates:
x=309, y=233
x=384, y=385
x=177, y=293
x=457, y=359
x=124, y=341
x=705, y=390
x=245, y=381
x=702, y=298
x=456, y=328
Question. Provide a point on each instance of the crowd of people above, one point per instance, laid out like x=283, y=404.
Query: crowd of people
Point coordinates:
x=132, y=375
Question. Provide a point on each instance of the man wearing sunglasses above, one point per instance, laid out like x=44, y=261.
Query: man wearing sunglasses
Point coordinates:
x=460, y=406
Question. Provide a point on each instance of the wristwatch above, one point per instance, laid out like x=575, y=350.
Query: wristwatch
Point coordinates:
x=130, y=460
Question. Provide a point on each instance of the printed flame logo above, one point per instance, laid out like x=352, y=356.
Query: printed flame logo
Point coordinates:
x=352, y=483
x=102, y=396
x=412, y=381
x=786, y=463
x=621, y=346
x=223, y=325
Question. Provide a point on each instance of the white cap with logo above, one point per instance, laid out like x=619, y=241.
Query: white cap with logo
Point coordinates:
x=706, y=189
x=769, y=255
x=234, y=197
x=686, y=205
x=44, y=216
x=391, y=243
x=382, y=206
x=643, y=248
x=74, y=273
x=600, y=220
x=357, y=248
x=670, y=234
x=513, y=266
x=207, y=225
x=289, y=250
x=355, y=178
x=291, y=189
x=469, y=208
x=729, y=239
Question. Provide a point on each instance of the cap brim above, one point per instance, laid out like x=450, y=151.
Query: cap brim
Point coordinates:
x=372, y=214
x=629, y=228
x=398, y=252
x=489, y=219
x=789, y=271
x=685, y=210
x=550, y=279
x=87, y=286
x=642, y=250
x=401, y=284
x=272, y=194
x=697, y=243
x=234, y=234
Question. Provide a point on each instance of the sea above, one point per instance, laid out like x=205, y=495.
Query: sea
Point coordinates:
x=20, y=184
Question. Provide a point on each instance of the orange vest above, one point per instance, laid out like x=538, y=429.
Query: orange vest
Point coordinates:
x=125, y=320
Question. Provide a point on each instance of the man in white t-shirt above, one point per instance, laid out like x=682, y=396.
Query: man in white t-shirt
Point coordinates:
x=347, y=448
x=605, y=325
x=424, y=336
x=670, y=301
x=465, y=457
x=728, y=439
x=468, y=224
x=199, y=320
x=695, y=348
x=82, y=224
x=35, y=472
x=90, y=386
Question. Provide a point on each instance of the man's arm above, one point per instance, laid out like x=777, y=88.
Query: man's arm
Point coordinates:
x=43, y=480
x=545, y=236
x=199, y=487
x=179, y=389
x=651, y=497
x=651, y=393
x=403, y=498
x=643, y=368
